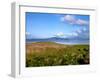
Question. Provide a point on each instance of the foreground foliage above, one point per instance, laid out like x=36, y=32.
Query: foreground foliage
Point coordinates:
x=53, y=54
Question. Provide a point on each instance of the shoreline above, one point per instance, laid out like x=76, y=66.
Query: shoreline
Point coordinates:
x=63, y=43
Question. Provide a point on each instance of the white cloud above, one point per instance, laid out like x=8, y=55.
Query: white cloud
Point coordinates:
x=60, y=34
x=27, y=33
x=81, y=22
x=71, y=19
x=68, y=18
x=75, y=34
x=82, y=31
x=72, y=34
x=79, y=33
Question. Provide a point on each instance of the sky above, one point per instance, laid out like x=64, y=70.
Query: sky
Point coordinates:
x=46, y=25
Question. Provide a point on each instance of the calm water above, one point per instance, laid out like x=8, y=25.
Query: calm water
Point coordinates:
x=73, y=42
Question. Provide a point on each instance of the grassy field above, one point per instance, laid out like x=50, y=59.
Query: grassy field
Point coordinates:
x=54, y=54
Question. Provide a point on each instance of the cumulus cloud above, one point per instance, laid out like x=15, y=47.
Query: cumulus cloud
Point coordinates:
x=74, y=34
x=83, y=33
x=81, y=22
x=27, y=33
x=78, y=34
x=66, y=35
x=71, y=19
x=60, y=34
x=68, y=18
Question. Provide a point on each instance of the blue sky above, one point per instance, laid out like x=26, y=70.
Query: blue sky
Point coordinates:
x=46, y=25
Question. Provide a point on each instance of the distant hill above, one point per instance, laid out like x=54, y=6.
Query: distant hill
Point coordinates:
x=47, y=39
x=55, y=39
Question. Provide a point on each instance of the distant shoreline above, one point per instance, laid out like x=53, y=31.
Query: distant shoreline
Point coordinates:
x=65, y=43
